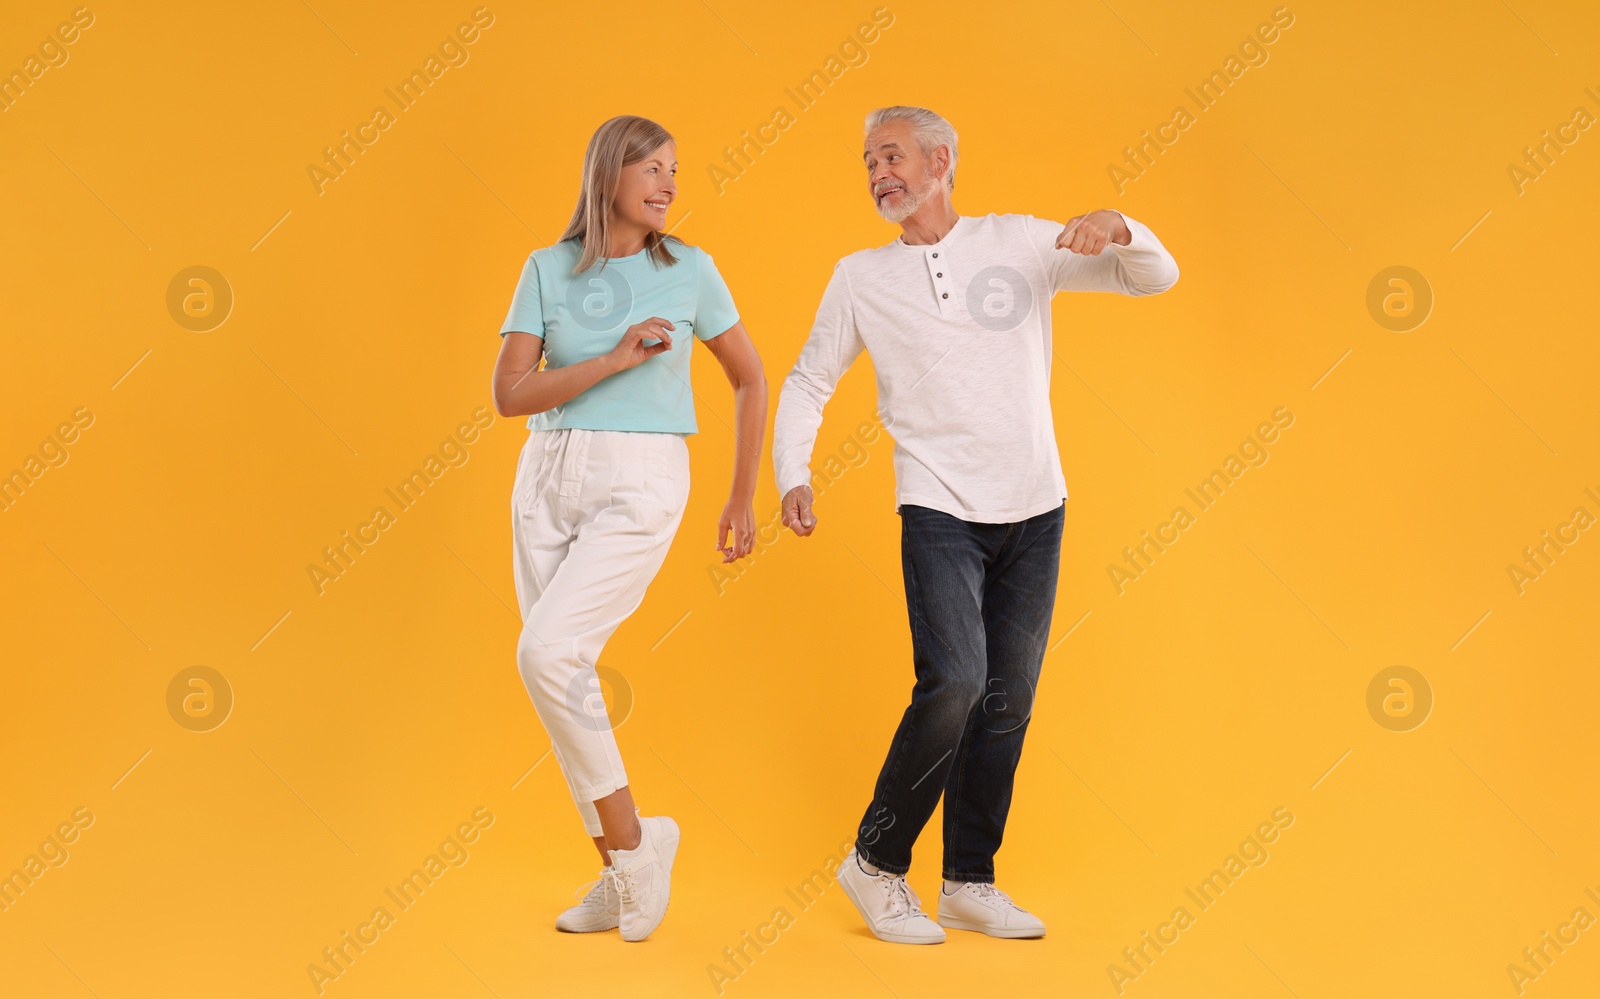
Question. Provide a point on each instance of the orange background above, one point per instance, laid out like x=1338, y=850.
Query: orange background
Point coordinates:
x=370, y=721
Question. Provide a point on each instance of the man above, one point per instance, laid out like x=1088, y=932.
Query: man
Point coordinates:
x=956, y=315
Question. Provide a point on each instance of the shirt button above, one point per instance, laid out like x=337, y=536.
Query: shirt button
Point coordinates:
x=936, y=256
x=940, y=274
x=945, y=295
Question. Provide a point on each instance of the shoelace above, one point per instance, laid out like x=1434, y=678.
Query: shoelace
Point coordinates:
x=595, y=891
x=902, y=900
x=989, y=891
x=623, y=884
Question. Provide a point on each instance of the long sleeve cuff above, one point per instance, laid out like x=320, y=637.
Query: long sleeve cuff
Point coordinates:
x=1145, y=259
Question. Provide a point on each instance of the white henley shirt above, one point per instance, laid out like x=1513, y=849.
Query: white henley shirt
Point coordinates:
x=959, y=333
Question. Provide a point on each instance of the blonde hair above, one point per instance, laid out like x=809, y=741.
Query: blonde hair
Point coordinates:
x=624, y=140
x=929, y=129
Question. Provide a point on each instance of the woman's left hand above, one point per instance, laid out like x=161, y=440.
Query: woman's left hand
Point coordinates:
x=739, y=518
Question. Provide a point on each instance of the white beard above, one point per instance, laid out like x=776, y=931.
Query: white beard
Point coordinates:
x=910, y=201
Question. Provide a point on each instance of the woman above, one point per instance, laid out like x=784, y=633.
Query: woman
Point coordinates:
x=602, y=481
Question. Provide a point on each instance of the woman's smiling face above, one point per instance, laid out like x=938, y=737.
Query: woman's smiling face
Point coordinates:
x=647, y=188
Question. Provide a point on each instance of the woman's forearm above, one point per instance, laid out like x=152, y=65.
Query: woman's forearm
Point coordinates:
x=537, y=391
x=750, y=422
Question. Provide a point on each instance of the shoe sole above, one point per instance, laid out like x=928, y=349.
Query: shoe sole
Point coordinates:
x=887, y=935
x=668, y=852
x=1019, y=933
x=587, y=929
x=591, y=929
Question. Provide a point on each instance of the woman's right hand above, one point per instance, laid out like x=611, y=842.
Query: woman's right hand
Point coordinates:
x=631, y=350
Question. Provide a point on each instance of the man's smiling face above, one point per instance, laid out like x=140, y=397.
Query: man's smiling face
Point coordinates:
x=899, y=176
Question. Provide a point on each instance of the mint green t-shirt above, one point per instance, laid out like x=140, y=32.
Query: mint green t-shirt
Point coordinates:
x=584, y=315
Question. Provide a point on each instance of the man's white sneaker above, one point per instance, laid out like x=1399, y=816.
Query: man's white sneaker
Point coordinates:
x=642, y=877
x=892, y=910
x=986, y=909
x=599, y=909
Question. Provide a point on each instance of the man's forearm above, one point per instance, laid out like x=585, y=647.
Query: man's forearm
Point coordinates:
x=794, y=433
x=1141, y=266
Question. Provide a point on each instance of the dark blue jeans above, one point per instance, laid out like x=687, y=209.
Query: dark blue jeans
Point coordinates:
x=980, y=598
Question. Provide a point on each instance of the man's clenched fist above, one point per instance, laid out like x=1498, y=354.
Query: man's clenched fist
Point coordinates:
x=797, y=515
x=1089, y=234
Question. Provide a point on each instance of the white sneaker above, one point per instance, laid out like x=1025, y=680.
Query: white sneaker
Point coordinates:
x=599, y=909
x=892, y=910
x=642, y=877
x=987, y=909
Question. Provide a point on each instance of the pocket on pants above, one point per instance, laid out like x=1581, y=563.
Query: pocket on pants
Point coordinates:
x=674, y=473
x=643, y=481
x=532, y=466
x=517, y=486
x=669, y=478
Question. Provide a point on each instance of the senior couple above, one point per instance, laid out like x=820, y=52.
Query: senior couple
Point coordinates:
x=955, y=313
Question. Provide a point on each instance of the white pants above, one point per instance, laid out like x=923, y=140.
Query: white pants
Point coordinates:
x=593, y=514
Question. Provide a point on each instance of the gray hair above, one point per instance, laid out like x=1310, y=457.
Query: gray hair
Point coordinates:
x=930, y=130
